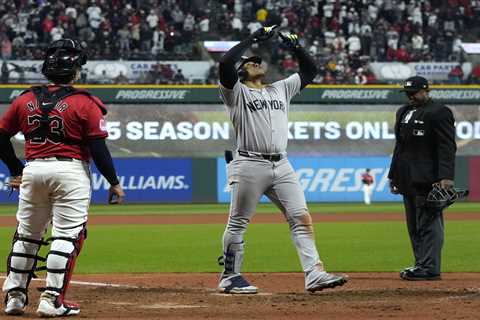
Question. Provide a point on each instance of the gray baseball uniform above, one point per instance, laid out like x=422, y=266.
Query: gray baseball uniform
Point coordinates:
x=260, y=116
x=260, y=166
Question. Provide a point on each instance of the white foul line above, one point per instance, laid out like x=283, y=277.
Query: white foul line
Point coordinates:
x=93, y=284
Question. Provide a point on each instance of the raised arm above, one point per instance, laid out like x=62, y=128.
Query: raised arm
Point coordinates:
x=227, y=72
x=308, y=70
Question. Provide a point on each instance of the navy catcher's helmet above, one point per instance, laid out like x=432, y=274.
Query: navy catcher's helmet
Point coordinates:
x=242, y=74
x=64, y=57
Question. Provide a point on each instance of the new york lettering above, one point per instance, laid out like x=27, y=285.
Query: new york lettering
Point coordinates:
x=256, y=105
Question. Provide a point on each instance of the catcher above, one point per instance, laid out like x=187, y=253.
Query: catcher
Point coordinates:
x=63, y=128
x=424, y=156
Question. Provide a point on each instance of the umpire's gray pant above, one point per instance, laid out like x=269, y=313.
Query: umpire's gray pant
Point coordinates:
x=426, y=231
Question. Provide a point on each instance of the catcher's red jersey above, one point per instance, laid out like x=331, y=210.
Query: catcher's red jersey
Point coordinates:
x=74, y=120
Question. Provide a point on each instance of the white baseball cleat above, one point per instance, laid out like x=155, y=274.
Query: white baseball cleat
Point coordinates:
x=326, y=280
x=50, y=307
x=16, y=303
x=236, y=284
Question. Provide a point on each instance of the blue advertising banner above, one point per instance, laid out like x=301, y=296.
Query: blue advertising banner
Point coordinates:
x=143, y=179
x=148, y=180
x=330, y=179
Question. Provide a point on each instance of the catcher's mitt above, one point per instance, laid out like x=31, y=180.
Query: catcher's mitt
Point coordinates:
x=440, y=198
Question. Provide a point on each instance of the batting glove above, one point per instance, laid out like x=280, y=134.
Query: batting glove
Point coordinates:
x=290, y=40
x=263, y=34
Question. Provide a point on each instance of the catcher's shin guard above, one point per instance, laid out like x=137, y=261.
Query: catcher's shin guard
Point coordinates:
x=232, y=258
x=61, y=262
x=22, y=263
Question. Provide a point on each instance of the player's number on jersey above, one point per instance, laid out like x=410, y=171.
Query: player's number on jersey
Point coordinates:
x=56, y=133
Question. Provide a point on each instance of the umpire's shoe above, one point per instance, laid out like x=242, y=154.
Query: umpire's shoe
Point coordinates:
x=51, y=306
x=419, y=274
x=15, y=303
x=326, y=280
x=236, y=284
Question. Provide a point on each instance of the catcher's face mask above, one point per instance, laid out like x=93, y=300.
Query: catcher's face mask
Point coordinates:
x=441, y=198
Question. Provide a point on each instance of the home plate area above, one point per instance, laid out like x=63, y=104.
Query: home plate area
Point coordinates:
x=281, y=296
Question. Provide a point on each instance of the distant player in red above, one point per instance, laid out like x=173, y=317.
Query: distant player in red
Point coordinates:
x=367, y=180
x=63, y=128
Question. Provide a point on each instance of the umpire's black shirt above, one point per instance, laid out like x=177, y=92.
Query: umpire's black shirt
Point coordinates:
x=425, y=147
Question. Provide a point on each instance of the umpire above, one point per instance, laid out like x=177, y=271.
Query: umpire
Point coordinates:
x=424, y=154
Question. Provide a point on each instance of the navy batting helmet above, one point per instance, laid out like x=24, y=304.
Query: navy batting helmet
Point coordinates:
x=63, y=58
x=242, y=74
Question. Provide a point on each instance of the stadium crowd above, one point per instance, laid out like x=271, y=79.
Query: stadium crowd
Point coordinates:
x=344, y=36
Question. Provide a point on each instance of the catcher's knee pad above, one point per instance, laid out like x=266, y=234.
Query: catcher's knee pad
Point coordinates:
x=61, y=262
x=233, y=258
x=22, y=262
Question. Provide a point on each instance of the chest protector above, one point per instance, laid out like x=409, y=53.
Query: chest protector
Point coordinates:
x=47, y=101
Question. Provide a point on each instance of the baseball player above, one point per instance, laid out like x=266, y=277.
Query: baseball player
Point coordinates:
x=63, y=128
x=367, y=181
x=259, y=112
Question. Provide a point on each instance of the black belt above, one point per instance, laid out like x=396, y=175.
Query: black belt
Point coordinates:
x=59, y=158
x=271, y=157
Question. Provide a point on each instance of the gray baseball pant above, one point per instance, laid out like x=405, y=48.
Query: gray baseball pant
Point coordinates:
x=248, y=180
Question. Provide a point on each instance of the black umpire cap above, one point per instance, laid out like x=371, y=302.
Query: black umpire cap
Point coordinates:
x=415, y=84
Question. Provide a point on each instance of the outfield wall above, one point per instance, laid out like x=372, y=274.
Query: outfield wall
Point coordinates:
x=185, y=180
x=167, y=140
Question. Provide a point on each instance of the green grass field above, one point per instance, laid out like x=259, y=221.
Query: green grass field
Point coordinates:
x=347, y=247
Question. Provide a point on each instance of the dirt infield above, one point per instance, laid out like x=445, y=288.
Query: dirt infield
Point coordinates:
x=193, y=296
x=259, y=218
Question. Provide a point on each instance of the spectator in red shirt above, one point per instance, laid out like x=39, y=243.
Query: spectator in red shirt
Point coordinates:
x=63, y=128
x=47, y=24
x=475, y=75
x=402, y=54
x=391, y=54
x=456, y=75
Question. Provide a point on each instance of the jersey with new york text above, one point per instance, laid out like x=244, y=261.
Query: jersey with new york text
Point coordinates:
x=73, y=121
x=260, y=116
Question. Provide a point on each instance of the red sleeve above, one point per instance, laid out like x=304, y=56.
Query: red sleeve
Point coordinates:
x=9, y=123
x=95, y=126
x=99, y=104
